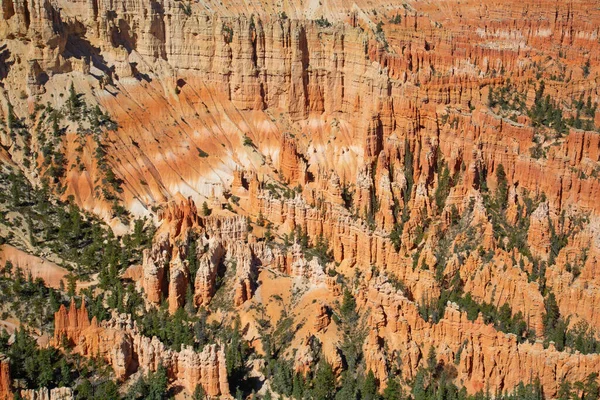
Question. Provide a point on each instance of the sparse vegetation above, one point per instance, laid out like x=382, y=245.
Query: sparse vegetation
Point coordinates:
x=205, y=210
x=396, y=19
x=186, y=8
x=248, y=141
x=323, y=22
x=202, y=153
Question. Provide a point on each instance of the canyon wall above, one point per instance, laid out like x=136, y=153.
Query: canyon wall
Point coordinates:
x=377, y=138
x=481, y=357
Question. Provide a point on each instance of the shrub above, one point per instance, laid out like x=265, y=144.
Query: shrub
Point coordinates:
x=202, y=153
x=248, y=141
x=323, y=22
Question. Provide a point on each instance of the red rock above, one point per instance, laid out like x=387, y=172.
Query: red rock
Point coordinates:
x=358, y=109
x=323, y=319
x=480, y=347
x=69, y=324
x=5, y=382
x=539, y=232
x=119, y=343
x=290, y=164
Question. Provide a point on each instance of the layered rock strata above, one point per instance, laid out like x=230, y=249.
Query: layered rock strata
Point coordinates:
x=482, y=357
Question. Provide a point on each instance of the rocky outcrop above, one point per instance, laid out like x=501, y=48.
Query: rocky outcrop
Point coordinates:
x=291, y=166
x=179, y=281
x=323, y=318
x=225, y=229
x=154, y=261
x=208, y=265
x=5, y=382
x=63, y=393
x=504, y=282
x=207, y=369
x=539, y=232
x=165, y=267
x=38, y=267
x=119, y=343
x=179, y=217
x=68, y=325
x=483, y=356
x=304, y=358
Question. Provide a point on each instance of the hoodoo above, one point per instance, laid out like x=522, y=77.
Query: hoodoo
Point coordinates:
x=325, y=200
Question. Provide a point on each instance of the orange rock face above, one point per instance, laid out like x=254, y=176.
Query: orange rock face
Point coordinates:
x=5, y=382
x=322, y=319
x=290, y=164
x=165, y=267
x=68, y=325
x=334, y=153
x=205, y=284
x=38, y=267
x=120, y=344
x=481, y=355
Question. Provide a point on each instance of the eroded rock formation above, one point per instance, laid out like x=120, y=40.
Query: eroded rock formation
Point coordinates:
x=481, y=356
x=48, y=394
x=68, y=325
x=380, y=140
x=5, y=382
x=126, y=350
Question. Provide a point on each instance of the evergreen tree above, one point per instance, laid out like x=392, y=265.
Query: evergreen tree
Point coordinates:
x=53, y=301
x=190, y=307
x=564, y=391
x=65, y=373
x=205, y=209
x=192, y=258
x=552, y=313
x=369, y=387
x=8, y=268
x=490, y=99
x=396, y=236
x=235, y=356
x=443, y=188
x=157, y=384
x=199, y=393
x=324, y=382
x=85, y=390
x=73, y=103
x=282, y=377
x=348, y=308
x=348, y=389
x=107, y=390
x=419, y=390
x=393, y=390
x=298, y=387
x=431, y=361
x=502, y=189
x=72, y=285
